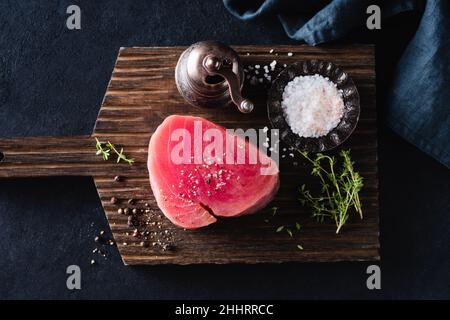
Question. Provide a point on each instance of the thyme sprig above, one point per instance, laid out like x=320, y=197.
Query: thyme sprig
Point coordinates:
x=104, y=149
x=340, y=190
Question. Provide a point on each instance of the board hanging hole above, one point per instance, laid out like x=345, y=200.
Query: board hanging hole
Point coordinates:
x=2, y=156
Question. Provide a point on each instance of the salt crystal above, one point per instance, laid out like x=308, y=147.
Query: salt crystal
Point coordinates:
x=271, y=51
x=290, y=54
x=312, y=105
x=257, y=66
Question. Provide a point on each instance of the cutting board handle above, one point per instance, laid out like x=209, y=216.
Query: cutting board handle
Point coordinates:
x=51, y=156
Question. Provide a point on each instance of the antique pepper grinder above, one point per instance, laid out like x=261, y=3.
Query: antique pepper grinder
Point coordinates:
x=209, y=74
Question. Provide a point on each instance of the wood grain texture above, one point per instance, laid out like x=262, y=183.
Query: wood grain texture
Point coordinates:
x=140, y=95
x=57, y=156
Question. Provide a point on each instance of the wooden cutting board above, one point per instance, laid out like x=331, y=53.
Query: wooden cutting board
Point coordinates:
x=140, y=95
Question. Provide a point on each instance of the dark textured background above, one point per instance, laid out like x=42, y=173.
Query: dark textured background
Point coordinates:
x=52, y=81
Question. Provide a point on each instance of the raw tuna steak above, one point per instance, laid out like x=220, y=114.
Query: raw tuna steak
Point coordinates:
x=195, y=178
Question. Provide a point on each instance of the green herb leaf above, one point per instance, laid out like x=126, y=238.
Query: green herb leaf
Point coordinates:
x=340, y=188
x=104, y=149
x=274, y=211
x=280, y=228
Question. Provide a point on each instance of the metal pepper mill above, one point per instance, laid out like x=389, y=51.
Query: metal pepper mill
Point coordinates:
x=209, y=74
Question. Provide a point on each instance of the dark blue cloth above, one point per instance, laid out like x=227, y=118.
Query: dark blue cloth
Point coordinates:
x=418, y=106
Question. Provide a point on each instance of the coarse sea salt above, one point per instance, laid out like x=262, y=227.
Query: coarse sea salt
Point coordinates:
x=312, y=105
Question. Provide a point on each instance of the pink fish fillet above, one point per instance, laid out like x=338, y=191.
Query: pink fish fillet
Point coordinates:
x=192, y=187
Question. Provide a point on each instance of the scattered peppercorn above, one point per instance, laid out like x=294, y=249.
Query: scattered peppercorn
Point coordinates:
x=133, y=221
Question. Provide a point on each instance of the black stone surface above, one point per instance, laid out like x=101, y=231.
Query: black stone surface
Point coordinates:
x=52, y=82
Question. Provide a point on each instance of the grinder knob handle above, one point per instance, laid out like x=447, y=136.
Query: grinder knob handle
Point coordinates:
x=214, y=66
